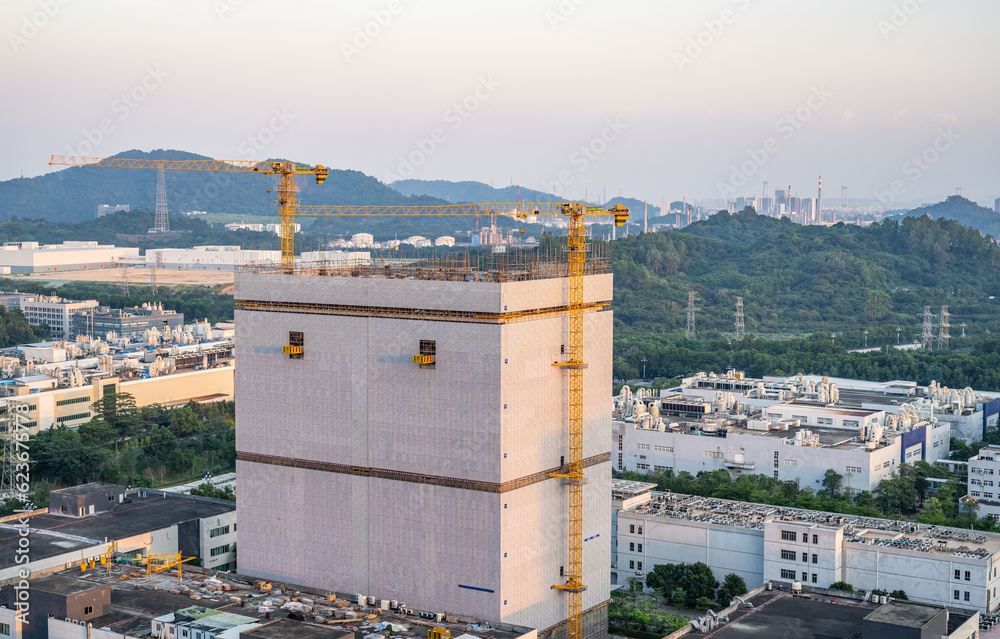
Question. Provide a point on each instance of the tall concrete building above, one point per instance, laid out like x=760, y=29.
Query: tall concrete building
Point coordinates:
x=364, y=469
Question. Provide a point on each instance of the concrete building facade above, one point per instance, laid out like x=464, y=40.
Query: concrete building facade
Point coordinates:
x=984, y=481
x=56, y=312
x=932, y=564
x=364, y=471
x=128, y=323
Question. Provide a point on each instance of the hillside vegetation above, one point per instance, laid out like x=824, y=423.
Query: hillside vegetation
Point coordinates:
x=805, y=283
x=957, y=208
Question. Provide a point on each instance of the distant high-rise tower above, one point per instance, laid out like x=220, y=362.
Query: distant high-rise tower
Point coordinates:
x=162, y=222
x=996, y=206
x=927, y=330
x=944, y=332
x=740, y=322
x=645, y=218
x=691, y=333
x=125, y=281
x=818, y=217
x=765, y=201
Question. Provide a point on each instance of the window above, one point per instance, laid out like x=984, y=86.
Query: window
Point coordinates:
x=968, y=576
x=815, y=559
x=824, y=421
x=631, y=566
x=89, y=610
x=72, y=400
x=815, y=539
x=69, y=418
x=789, y=535
x=966, y=595
x=851, y=423
x=638, y=566
x=854, y=470
x=631, y=547
x=956, y=595
x=791, y=462
x=958, y=574
x=788, y=554
x=221, y=530
x=805, y=576
x=642, y=446
x=631, y=528
x=663, y=468
x=663, y=449
x=790, y=574
x=5, y=629
x=805, y=557
x=814, y=577
x=640, y=548
x=714, y=454
x=640, y=531
x=220, y=550
x=642, y=466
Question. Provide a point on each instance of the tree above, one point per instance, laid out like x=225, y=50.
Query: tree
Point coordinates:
x=699, y=581
x=184, y=422
x=679, y=597
x=664, y=578
x=831, y=483
x=877, y=305
x=702, y=603
x=208, y=490
x=899, y=594
x=842, y=585
x=732, y=586
x=119, y=411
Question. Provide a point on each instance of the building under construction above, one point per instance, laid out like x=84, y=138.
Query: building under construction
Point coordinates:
x=398, y=426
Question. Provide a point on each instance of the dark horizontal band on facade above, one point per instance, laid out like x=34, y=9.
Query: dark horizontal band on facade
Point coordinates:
x=415, y=478
x=477, y=317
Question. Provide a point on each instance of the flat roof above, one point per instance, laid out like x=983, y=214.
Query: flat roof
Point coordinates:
x=63, y=585
x=904, y=613
x=784, y=615
x=132, y=611
x=54, y=535
x=86, y=489
x=286, y=629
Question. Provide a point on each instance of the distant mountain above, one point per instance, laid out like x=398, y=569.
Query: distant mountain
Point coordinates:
x=72, y=194
x=963, y=211
x=459, y=192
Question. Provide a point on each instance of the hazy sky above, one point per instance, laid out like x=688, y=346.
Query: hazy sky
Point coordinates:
x=666, y=99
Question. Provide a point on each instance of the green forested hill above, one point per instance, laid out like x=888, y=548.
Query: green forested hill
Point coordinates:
x=801, y=281
x=965, y=212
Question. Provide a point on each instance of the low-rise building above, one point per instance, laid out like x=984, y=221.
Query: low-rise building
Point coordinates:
x=932, y=564
x=791, y=441
x=32, y=257
x=984, y=482
x=129, y=323
x=108, y=209
x=55, y=312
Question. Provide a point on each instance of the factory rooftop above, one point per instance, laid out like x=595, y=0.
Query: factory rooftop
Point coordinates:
x=778, y=614
x=53, y=535
x=863, y=530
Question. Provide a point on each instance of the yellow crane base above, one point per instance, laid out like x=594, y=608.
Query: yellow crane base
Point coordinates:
x=571, y=366
x=569, y=588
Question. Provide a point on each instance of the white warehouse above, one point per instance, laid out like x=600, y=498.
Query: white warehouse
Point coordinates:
x=31, y=257
x=932, y=564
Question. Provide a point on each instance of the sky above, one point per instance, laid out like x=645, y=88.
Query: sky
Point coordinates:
x=893, y=99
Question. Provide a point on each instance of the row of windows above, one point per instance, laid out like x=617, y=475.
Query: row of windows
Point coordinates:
x=220, y=550
x=72, y=400
x=631, y=529
x=663, y=449
x=957, y=593
x=216, y=532
x=791, y=462
x=631, y=547
x=791, y=535
x=790, y=574
x=854, y=470
x=642, y=446
x=958, y=575
x=69, y=418
x=714, y=454
x=632, y=566
x=642, y=466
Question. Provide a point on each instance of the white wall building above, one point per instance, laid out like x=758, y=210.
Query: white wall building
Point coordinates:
x=56, y=312
x=363, y=239
x=932, y=564
x=209, y=258
x=792, y=441
x=364, y=471
x=30, y=257
x=984, y=475
x=444, y=240
x=108, y=209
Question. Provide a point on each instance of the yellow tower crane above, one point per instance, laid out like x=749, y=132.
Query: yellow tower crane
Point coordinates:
x=286, y=171
x=577, y=248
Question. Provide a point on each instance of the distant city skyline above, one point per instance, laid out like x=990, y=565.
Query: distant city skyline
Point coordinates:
x=894, y=99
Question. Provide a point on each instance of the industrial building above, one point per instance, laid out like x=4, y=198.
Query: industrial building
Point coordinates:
x=791, y=441
x=31, y=257
x=397, y=429
x=108, y=209
x=131, y=323
x=227, y=258
x=983, y=477
x=932, y=564
x=55, y=312
x=966, y=411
